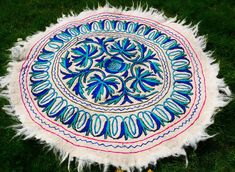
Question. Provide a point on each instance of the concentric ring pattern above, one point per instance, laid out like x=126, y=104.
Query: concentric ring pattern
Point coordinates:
x=108, y=81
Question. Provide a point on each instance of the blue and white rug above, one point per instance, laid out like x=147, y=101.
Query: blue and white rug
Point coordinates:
x=113, y=86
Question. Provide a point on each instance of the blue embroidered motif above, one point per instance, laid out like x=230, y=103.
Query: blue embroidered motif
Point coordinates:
x=111, y=71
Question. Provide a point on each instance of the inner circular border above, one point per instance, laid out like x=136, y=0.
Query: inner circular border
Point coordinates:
x=124, y=108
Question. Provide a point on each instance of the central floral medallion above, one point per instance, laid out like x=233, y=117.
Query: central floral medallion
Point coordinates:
x=111, y=70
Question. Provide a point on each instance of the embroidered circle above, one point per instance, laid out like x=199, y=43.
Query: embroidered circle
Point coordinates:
x=108, y=80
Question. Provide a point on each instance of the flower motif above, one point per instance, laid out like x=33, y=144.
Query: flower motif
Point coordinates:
x=145, y=80
x=115, y=65
x=124, y=48
x=97, y=86
x=84, y=53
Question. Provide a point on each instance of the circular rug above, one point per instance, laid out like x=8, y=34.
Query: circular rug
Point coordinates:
x=113, y=86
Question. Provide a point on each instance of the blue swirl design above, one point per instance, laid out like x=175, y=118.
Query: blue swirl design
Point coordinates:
x=105, y=66
x=151, y=101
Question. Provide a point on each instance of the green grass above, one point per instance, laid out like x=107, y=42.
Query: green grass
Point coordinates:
x=19, y=19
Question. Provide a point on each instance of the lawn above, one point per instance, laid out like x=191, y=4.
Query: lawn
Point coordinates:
x=19, y=19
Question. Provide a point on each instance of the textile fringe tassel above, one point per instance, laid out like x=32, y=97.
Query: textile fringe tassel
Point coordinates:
x=219, y=93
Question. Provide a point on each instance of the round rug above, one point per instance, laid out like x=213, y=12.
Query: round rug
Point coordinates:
x=113, y=86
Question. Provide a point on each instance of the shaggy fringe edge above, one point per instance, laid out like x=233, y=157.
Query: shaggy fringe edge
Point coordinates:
x=221, y=98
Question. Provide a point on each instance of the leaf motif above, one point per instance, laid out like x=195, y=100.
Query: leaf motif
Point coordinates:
x=83, y=54
x=145, y=80
x=156, y=68
x=148, y=56
x=124, y=48
x=126, y=99
x=78, y=88
x=65, y=61
x=100, y=62
x=139, y=97
x=113, y=100
x=97, y=85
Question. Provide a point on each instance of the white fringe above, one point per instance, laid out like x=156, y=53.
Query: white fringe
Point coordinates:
x=219, y=93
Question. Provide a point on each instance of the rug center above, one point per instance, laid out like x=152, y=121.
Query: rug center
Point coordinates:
x=111, y=70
